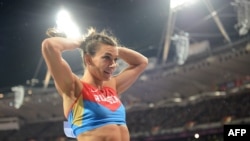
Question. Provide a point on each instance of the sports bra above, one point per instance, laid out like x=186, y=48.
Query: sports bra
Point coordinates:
x=95, y=108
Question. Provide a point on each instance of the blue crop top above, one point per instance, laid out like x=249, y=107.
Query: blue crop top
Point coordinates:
x=95, y=108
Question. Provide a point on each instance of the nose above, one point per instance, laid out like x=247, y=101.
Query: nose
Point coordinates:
x=113, y=64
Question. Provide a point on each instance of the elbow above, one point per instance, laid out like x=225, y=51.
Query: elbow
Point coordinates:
x=45, y=44
x=47, y=47
x=144, y=62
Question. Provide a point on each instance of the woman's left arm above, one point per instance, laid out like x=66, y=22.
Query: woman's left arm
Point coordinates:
x=136, y=65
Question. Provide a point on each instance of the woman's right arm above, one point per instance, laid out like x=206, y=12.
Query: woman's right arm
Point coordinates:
x=60, y=70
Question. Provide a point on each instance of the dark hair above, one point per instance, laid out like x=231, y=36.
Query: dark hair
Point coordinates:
x=93, y=39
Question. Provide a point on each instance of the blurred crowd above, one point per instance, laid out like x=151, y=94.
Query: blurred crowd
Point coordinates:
x=171, y=123
x=220, y=110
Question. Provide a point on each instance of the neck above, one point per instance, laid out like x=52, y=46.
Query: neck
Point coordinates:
x=90, y=79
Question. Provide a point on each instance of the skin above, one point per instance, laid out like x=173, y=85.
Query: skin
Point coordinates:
x=98, y=72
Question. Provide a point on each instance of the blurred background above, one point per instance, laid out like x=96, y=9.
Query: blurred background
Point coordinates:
x=197, y=80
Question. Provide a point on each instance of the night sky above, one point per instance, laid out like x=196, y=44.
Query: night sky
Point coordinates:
x=138, y=24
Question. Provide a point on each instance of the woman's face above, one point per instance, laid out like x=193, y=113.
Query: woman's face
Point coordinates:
x=104, y=62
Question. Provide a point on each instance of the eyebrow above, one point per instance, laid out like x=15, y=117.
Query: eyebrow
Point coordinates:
x=109, y=54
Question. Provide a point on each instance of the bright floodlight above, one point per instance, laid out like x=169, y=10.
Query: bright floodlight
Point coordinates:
x=67, y=25
x=196, y=135
x=179, y=3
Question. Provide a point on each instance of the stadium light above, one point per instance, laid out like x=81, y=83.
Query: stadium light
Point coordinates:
x=18, y=95
x=177, y=4
x=243, y=16
x=182, y=47
x=67, y=25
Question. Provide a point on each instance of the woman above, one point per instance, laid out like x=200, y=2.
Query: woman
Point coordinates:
x=91, y=103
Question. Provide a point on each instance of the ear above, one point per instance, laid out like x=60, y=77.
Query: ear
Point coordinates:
x=88, y=59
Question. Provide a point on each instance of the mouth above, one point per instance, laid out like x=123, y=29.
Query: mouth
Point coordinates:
x=108, y=72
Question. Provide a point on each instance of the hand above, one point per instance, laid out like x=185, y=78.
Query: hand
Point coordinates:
x=54, y=32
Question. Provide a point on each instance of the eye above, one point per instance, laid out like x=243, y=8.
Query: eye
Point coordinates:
x=106, y=57
x=110, y=58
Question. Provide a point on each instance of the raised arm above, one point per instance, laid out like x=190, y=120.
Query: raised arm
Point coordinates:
x=136, y=65
x=52, y=49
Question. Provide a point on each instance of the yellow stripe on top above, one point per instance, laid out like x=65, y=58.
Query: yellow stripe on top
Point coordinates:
x=78, y=110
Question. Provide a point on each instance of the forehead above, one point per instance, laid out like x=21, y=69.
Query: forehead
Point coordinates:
x=108, y=50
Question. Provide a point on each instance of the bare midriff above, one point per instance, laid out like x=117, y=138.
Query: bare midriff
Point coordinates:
x=112, y=132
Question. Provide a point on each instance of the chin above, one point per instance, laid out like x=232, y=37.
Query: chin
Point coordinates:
x=106, y=79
